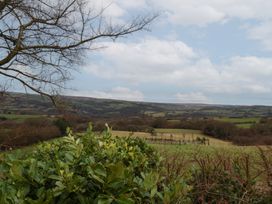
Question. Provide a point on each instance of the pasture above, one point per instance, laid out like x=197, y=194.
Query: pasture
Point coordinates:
x=184, y=135
x=19, y=117
x=240, y=122
x=218, y=170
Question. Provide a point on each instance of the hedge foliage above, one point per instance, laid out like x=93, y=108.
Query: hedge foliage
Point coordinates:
x=86, y=168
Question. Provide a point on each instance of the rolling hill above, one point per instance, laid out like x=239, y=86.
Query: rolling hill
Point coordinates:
x=19, y=103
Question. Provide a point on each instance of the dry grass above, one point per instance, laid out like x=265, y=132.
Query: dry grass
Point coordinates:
x=174, y=134
x=221, y=175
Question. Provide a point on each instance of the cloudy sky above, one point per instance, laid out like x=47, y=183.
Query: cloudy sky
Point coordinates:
x=198, y=51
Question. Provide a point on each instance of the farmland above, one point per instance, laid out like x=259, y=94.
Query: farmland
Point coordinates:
x=178, y=168
x=240, y=122
x=19, y=118
x=165, y=159
x=181, y=115
x=186, y=135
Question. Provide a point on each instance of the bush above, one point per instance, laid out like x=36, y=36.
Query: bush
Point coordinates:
x=30, y=131
x=8, y=124
x=62, y=125
x=2, y=118
x=220, y=130
x=221, y=179
x=85, y=169
x=25, y=135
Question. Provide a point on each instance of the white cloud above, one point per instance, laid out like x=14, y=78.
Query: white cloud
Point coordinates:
x=192, y=15
x=263, y=33
x=112, y=11
x=148, y=60
x=193, y=12
x=116, y=9
x=201, y=12
x=172, y=62
x=192, y=98
x=129, y=4
x=120, y=93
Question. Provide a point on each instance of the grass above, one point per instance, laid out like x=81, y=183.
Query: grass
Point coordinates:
x=181, y=161
x=186, y=131
x=190, y=150
x=175, y=134
x=240, y=122
x=245, y=125
x=19, y=118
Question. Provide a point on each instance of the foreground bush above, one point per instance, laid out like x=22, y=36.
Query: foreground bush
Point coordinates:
x=85, y=169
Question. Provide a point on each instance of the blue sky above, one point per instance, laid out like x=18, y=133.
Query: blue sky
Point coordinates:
x=197, y=52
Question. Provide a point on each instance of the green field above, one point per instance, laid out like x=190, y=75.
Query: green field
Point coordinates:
x=220, y=163
x=18, y=117
x=190, y=150
x=186, y=131
x=174, y=134
x=239, y=122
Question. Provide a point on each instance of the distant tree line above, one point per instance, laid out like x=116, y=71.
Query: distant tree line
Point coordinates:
x=258, y=134
x=16, y=134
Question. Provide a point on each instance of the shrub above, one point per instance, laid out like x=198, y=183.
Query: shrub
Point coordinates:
x=8, y=124
x=2, y=118
x=85, y=169
x=30, y=131
x=37, y=122
x=220, y=130
x=220, y=179
x=25, y=135
x=62, y=124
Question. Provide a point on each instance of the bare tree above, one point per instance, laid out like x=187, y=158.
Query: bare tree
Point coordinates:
x=3, y=90
x=42, y=40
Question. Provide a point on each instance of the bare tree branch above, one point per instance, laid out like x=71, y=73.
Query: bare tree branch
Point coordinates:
x=42, y=41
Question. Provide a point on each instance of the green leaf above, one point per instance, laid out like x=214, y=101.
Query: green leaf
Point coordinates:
x=125, y=201
x=150, y=180
x=16, y=172
x=104, y=200
x=153, y=191
x=69, y=157
x=55, y=177
x=97, y=178
x=100, y=170
x=117, y=171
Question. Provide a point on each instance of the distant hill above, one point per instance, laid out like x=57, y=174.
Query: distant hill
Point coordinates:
x=35, y=104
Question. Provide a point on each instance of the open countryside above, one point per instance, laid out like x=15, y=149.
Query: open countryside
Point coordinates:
x=135, y=102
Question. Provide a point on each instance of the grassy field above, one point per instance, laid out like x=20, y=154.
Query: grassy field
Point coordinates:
x=191, y=150
x=187, y=156
x=175, y=134
x=19, y=118
x=240, y=122
x=219, y=169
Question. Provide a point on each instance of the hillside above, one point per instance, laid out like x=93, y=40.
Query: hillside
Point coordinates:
x=35, y=104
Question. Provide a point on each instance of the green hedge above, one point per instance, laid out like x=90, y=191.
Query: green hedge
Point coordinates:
x=88, y=168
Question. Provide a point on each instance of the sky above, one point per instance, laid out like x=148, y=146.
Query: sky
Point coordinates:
x=197, y=51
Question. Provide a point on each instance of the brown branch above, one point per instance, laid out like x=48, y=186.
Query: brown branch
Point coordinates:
x=47, y=38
